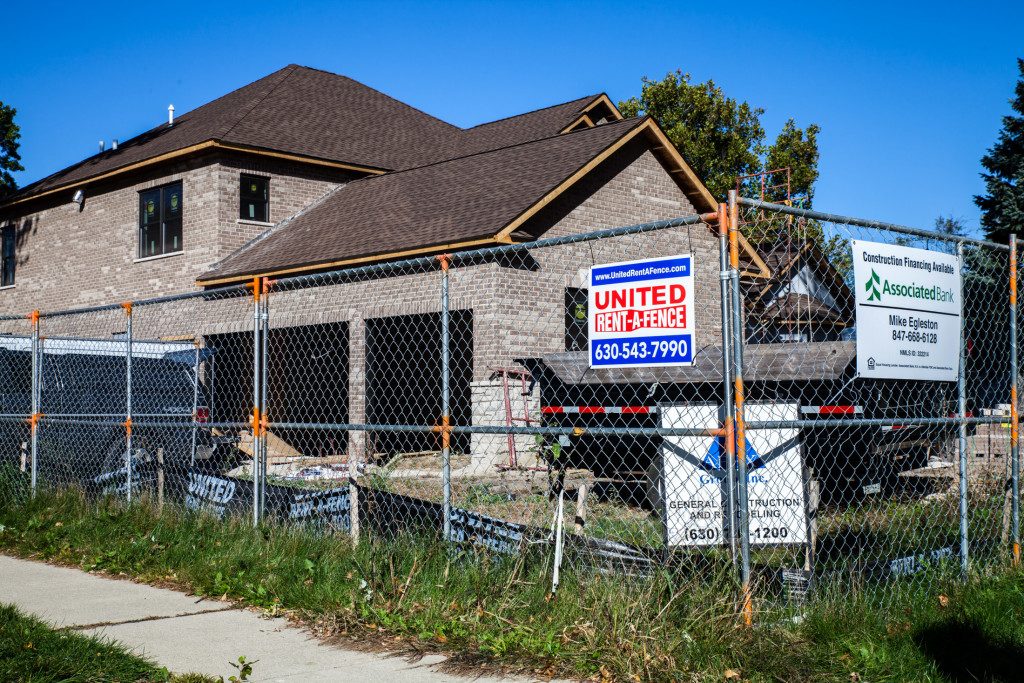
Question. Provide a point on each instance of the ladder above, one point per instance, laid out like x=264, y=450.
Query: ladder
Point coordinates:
x=510, y=419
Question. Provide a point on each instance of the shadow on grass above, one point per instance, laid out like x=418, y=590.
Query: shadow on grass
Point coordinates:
x=963, y=652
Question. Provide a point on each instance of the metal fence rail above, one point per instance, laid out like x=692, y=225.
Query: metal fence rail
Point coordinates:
x=468, y=395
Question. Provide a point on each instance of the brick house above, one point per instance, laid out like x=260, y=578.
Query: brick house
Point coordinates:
x=305, y=171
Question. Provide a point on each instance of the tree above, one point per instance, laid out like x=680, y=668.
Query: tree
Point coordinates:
x=798, y=150
x=723, y=139
x=1002, y=207
x=9, y=157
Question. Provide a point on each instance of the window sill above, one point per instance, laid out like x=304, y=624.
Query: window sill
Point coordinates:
x=158, y=257
x=8, y=287
x=262, y=224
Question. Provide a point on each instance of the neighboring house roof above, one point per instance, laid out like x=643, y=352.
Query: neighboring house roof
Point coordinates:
x=781, y=298
x=319, y=117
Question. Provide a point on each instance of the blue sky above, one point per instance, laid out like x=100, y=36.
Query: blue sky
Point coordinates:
x=908, y=97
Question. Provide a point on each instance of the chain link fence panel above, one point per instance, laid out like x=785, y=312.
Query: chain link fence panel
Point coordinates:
x=673, y=395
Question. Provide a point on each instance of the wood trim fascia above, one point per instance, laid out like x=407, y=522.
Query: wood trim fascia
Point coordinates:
x=186, y=151
x=575, y=125
x=604, y=99
x=298, y=270
x=568, y=182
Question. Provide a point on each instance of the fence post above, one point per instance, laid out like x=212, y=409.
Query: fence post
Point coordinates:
x=741, y=439
x=195, y=405
x=36, y=398
x=1014, y=417
x=264, y=381
x=961, y=387
x=128, y=399
x=256, y=422
x=725, y=275
x=446, y=464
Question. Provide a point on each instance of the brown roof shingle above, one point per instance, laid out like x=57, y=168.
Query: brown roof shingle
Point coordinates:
x=468, y=198
x=319, y=115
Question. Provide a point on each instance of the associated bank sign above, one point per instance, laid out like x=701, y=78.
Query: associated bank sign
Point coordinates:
x=908, y=312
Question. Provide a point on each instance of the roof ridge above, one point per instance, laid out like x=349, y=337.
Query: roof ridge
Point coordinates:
x=289, y=70
x=590, y=98
x=635, y=120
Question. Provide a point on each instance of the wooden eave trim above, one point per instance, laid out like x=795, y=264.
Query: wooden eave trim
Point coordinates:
x=187, y=151
x=764, y=272
x=669, y=153
x=568, y=182
x=604, y=99
x=583, y=119
x=299, y=158
x=297, y=270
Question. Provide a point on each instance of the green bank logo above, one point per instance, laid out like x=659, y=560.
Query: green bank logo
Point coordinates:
x=876, y=287
x=872, y=287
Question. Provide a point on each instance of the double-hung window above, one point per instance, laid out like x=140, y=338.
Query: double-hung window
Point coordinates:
x=7, y=259
x=160, y=221
x=254, y=195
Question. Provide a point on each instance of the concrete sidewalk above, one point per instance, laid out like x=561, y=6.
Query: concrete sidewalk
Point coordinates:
x=191, y=634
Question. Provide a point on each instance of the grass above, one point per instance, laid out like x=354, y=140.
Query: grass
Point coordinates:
x=32, y=651
x=413, y=594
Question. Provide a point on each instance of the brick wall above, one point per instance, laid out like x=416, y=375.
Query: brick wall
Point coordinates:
x=518, y=302
x=69, y=257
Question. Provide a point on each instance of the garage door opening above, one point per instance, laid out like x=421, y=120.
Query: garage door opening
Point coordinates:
x=403, y=379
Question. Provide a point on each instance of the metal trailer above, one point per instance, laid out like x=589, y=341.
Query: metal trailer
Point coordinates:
x=848, y=462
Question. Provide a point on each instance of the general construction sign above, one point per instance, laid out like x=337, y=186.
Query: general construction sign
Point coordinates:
x=641, y=313
x=908, y=312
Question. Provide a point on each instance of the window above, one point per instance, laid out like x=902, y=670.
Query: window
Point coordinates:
x=7, y=258
x=160, y=221
x=575, y=319
x=254, y=194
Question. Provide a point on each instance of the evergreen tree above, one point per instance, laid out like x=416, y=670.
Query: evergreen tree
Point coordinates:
x=9, y=157
x=1002, y=207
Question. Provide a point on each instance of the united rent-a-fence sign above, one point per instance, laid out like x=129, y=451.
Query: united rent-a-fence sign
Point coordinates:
x=908, y=312
x=641, y=313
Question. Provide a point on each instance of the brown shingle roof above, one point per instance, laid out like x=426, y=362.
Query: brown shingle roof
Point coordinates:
x=455, y=201
x=515, y=130
x=319, y=115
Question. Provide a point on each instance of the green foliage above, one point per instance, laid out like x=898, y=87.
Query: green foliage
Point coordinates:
x=9, y=157
x=413, y=594
x=723, y=139
x=1002, y=205
x=797, y=150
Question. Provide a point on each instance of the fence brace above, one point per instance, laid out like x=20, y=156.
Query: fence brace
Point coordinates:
x=741, y=439
x=726, y=277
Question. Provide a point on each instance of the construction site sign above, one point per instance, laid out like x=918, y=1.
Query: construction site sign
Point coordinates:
x=641, y=313
x=908, y=312
x=694, y=479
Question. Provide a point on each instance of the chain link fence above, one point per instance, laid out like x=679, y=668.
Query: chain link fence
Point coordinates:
x=690, y=394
